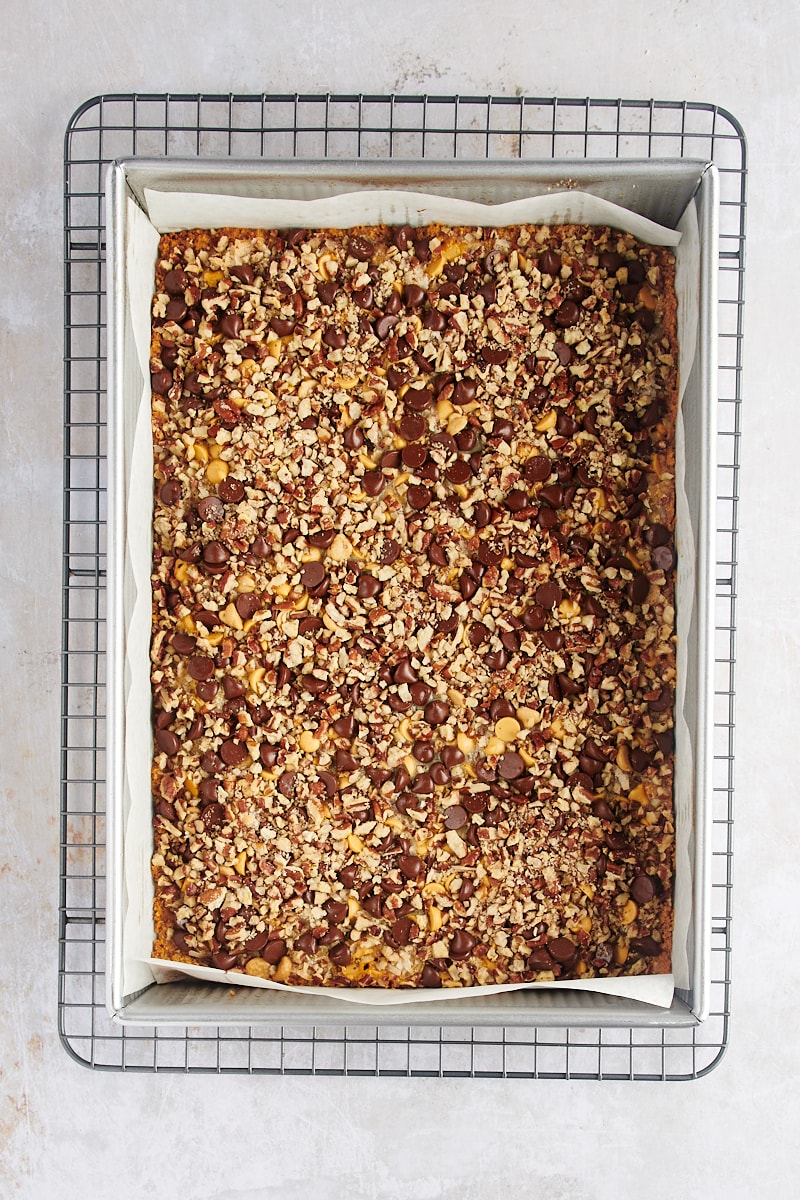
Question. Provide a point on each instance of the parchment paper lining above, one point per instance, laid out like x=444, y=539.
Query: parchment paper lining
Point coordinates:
x=173, y=210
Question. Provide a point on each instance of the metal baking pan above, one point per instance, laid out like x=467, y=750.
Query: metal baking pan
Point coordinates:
x=658, y=189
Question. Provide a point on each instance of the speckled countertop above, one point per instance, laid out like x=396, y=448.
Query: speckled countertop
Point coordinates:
x=69, y=1132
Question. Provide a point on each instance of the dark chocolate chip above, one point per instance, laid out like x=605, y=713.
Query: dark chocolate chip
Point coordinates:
x=312, y=574
x=511, y=765
x=538, y=468
x=167, y=742
x=437, y=712
x=643, y=889
x=176, y=282
x=384, y=325
x=161, y=382
x=563, y=951
x=373, y=482
x=548, y=594
x=430, y=977
x=455, y=817
x=419, y=496
x=462, y=944
x=638, y=589
x=549, y=262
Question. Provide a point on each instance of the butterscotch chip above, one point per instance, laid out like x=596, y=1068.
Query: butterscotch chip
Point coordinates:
x=413, y=652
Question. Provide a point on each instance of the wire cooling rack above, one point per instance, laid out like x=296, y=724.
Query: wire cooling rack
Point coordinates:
x=358, y=126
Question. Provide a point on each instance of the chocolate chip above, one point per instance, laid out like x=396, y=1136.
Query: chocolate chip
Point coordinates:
x=663, y=558
x=232, y=687
x=233, y=753
x=373, y=482
x=176, y=282
x=419, y=496
x=401, y=237
x=610, y=261
x=552, y=495
x=451, y=756
x=511, y=765
x=430, y=977
x=549, y=262
x=496, y=660
x=353, y=437
x=361, y=248
x=313, y=684
x=286, y=784
x=646, y=946
x=437, y=554
x=327, y=292
x=231, y=490
x=161, y=382
x=638, y=589
x=329, y=782
x=478, y=633
x=200, y=667
x=537, y=469
x=274, y=951
x=553, y=639
x=215, y=554
x=414, y=295
x=458, y=472
x=502, y=429
x=462, y=944
x=213, y=815
x=170, y=492
x=420, y=693
x=643, y=889
x=548, y=594
x=455, y=817
x=412, y=428
x=322, y=539
x=312, y=574
x=207, y=691
x=568, y=685
x=368, y=587
x=336, y=911
x=184, y=643
x=467, y=586
x=397, y=376
x=167, y=742
x=334, y=337
x=437, y=712
x=534, y=617
x=665, y=741
x=563, y=951
x=404, y=672
x=491, y=552
x=211, y=510
x=345, y=726
x=414, y=456
x=390, y=551
x=540, y=960
x=465, y=391
x=384, y=325
x=340, y=954
x=636, y=271
x=418, y=399
x=482, y=514
x=563, y=353
x=422, y=249
x=494, y=355
x=640, y=759
x=410, y=866
x=402, y=930
x=176, y=310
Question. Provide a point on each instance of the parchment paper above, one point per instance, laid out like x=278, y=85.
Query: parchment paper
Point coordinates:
x=170, y=211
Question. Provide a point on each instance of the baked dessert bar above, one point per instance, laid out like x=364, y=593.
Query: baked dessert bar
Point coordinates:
x=413, y=650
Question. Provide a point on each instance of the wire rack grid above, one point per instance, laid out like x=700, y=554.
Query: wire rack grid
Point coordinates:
x=109, y=127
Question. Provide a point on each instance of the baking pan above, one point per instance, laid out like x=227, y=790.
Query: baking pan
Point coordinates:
x=659, y=189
